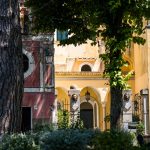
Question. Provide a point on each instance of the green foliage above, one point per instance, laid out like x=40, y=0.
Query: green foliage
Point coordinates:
x=69, y=139
x=63, y=119
x=42, y=127
x=116, y=21
x=78, y=124
x=113, y=140
x=18, y=142
x=87, y=139
x=145, y=147
x=140, y=128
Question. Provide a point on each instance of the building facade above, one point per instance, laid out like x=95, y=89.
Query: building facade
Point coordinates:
x=79, y=70
x=82, y=68
x=38, y=63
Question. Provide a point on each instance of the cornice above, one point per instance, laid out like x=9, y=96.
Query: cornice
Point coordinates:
x=82, y=75
x=79, y=75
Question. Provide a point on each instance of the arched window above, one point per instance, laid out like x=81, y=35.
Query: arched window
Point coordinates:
x=28, y=63
x=85, y=68
x=25, y=63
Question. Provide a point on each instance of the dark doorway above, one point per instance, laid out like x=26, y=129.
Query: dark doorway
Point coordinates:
x=86, y=114
x=26, y=119
x=25, y=63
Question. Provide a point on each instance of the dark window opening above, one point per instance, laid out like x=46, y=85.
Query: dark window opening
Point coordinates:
x=25, y=63
x=86, y=68
x=62, y=35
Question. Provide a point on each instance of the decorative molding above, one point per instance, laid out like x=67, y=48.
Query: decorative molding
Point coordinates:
x=31, y=63
x=91, y=59
x=82, y=75
x=34, y=90
x=41, y=37
x=78, y=74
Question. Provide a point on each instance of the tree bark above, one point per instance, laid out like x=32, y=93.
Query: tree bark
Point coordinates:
x=116, y=107
x=11, y=72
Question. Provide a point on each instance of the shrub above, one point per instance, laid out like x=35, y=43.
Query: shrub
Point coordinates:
x=63, y=119
x=18, y=142
x=71, y=139
x=146, y=147
x=67, y=140
x=140, y=128
x=42, y=127
x=113, y=140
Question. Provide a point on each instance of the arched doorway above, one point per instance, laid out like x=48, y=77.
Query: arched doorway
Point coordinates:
x=86, y=114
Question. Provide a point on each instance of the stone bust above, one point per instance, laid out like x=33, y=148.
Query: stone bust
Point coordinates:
x=126, y=102
x=74, y=102
x=74, y=97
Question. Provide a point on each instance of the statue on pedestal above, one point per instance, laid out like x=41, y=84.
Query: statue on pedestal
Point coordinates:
x=74, y=104
x=127, y=109
x=75, y=108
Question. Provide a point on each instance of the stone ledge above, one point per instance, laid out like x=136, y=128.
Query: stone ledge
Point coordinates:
x=82, y=75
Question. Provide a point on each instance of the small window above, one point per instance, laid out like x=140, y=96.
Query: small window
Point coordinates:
x=25, y=63
x=85, y=68
x=62, y=35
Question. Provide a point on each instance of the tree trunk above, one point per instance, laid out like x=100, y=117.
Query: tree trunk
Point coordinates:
x=116, y=107
x=11, y=72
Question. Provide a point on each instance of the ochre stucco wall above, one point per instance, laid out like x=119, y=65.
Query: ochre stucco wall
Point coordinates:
x=141, y=69
x=137, y=56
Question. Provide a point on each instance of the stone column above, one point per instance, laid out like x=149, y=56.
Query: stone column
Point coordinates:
x=103, y=93
x=144, y=93
x=54, y=110
x=148, y=68
x=104, y=115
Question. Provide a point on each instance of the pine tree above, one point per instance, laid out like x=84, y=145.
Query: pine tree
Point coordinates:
x=11, y=72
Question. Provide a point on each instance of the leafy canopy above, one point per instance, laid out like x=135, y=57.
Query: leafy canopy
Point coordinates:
x=117, y=22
